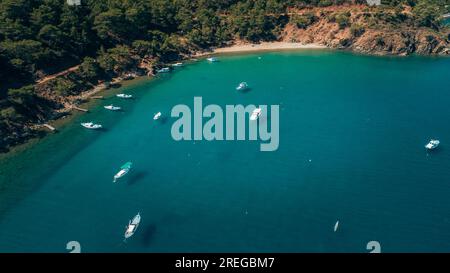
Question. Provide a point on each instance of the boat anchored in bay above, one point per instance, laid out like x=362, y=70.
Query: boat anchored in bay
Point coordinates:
x=112, y=108
x=336, y=226
x=124, y=96
x=433, y=144
x=163, y=70
x=242, y=86
x=123, y=171
x=132, y=226
x=91, y=125
x=157, y=116
x=256, y=113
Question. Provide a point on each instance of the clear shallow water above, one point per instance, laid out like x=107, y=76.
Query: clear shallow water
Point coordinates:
x=362, y=121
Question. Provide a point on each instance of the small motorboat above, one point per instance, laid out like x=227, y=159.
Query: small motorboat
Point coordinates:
x=242, y=86
x=256, y=113
x=91, y=125
x=177, y=64
x=212, y=59
x=123, y=171
x=124, y=96
x=132, y=226
x=433, y=144
x=157, y=116
x=336, y=226
x=163, y=70
x=129, y=76
x=112, y=108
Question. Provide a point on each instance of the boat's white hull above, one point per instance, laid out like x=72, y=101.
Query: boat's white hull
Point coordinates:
x=164, y=70
x=112, y=108
x=120, y=174
x=123, y=96
x=336, y=226
x=433, y=144
x=255, y=115
x=91, y=126
x=241, y=87
x=157, y=116
x=132, y=226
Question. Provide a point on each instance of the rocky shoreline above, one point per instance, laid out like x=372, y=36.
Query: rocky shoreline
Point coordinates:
x=358, y=28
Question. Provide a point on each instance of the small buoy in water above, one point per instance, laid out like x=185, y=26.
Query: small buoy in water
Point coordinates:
x=336, y=226
x=310, y=160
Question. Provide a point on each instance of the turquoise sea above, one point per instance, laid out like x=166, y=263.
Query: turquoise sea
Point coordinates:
x=447, y=21
x=352, y=136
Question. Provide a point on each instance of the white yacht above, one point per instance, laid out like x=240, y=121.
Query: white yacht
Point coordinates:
x=256, y=113
x=91, y=125
x=163, y=70
x=157, y=116
x=124, y=96
x=177, y=64
x=132, y=226
x=242, y=86
x=112, y=108
x=212, y=59
x=433, y=144
x=336, y=226
x=123, y=171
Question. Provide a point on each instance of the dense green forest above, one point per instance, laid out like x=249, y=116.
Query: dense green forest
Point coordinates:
x=109, y=37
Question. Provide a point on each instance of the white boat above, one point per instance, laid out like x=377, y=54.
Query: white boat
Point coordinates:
x=157, y=116
x=132, y=226
x=124, y=96
x=256, y=113
x=242, y=86
x=336, y=226
x=91, y=125
x=163, y=70
x=123, y=171
x=212, y=59
x=433, y=144
x=177, y=64
x=112, y=108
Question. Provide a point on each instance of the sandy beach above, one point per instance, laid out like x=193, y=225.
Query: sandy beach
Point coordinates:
x=267, y=46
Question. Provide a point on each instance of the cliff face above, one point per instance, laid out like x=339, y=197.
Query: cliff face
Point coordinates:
x=359, y=29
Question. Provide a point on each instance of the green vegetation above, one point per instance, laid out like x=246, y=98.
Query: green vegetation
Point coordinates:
x=304, y=20
x=426, y=13
x=343, y=19
x=357, y=30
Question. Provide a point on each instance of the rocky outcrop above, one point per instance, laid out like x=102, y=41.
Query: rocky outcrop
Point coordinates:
x=366, y=35
x=16, y=134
